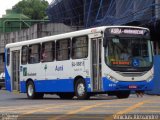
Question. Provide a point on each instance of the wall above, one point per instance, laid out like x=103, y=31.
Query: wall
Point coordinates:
x=36, y=31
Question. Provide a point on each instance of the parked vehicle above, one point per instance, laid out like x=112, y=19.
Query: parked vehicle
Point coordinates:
x=2, y=80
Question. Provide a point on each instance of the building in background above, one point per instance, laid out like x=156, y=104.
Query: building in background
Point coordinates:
x=13, y=21
x=16, y=27
x=35, y=31
x=90, y=13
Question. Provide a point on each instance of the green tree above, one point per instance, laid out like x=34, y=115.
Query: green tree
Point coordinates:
x=35, y=9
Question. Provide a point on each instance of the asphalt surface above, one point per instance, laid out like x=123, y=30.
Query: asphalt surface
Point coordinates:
x=17, y=106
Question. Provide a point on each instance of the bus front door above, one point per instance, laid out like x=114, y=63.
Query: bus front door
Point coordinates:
x=96, y=64
x=15, y=70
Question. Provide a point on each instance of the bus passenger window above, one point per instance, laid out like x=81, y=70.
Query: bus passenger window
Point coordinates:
x=24, y=56
x=80, y=47
x=34, y=53
x=63, y=49
x=48, y=52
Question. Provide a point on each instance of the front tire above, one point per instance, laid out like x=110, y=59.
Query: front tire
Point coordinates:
x=31, y=94
x=123, y=94
x=81, y=90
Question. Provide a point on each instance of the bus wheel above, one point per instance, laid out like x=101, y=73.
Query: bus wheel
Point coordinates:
x=66, y=95
x=123, y=94
x=80, y=90
x=31, y=94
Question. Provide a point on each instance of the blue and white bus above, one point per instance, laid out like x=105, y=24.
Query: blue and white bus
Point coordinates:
x=110, y=59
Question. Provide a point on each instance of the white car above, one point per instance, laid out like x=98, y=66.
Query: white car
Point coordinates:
x=2, y=80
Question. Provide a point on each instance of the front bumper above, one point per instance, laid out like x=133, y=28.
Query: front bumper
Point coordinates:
x=108, y=85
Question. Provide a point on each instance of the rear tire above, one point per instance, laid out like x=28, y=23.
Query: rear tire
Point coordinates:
x=66, y=95
x=123, y=94
x=81, y=90
x=31, y=94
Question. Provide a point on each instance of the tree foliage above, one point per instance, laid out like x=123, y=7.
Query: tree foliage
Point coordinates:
x=35, y=9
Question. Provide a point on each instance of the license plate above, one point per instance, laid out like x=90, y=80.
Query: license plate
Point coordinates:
x=132, y=87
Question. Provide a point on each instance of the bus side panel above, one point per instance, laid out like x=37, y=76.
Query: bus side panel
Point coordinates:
x=141, y=85
x=23, y=88
x=61, y=85
x=88, y=84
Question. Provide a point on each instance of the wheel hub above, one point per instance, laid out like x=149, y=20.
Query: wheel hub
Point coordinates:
x=30, y=90
x=80, y=89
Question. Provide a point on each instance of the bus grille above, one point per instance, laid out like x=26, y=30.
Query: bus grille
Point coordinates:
x=132, y=74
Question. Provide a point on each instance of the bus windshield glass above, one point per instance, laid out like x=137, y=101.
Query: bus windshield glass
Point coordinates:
x=128, y=52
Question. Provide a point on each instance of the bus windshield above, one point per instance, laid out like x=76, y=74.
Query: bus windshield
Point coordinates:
x=128, y=53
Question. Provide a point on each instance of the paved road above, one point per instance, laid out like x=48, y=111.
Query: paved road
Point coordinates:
x=98, y=107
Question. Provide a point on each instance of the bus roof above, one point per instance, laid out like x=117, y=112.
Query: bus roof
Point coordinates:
x=65, y=35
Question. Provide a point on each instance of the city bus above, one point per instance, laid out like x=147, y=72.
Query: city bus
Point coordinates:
x=115, y=60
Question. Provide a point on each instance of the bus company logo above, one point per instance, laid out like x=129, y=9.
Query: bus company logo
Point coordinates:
x=24, y=71
x=59, y=68
x=31, y=74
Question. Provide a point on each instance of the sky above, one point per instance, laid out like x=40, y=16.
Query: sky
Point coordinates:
x=7, y=4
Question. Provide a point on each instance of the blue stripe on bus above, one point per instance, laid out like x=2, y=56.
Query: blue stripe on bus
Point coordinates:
x=7, y=76
x=61, y=85
x=7, y=80
x=108, y=85
x=67, y=85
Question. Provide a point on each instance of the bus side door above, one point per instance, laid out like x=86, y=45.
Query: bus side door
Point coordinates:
x=96, y=46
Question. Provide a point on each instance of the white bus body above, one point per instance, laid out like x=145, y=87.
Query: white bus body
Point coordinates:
x=80, y=63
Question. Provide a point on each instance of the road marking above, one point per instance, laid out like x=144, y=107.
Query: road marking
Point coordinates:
x=21, y=108
x=150, y=106
x=97, y=117
x=45, y=108
x=82, y=109
x=127, y=110
x=154, y=102
x=15, y=92
x=72, y=112
x=150, y=111
x=15, y=108
x=132, y=107
x=114, y=106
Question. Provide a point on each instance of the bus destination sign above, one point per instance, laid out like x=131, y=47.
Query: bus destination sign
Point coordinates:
x=127, y=31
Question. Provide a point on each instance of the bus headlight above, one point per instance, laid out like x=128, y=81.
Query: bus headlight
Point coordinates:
x=111, y=78
x=149, y=78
